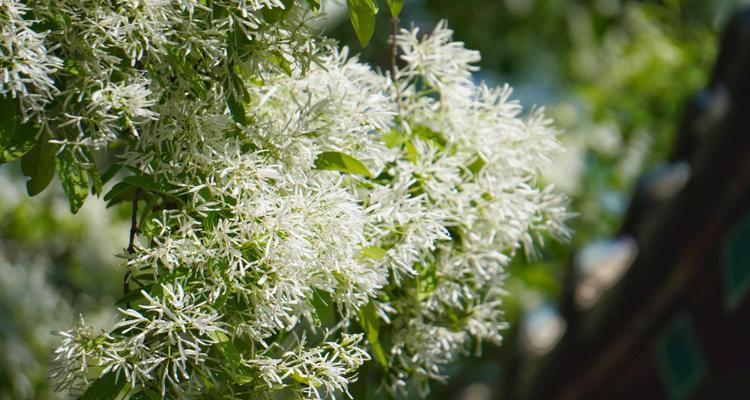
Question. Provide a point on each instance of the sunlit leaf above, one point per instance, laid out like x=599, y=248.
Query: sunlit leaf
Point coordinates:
x=74, y=179
x=362, y=14
x=333, y=160
x=395, y=7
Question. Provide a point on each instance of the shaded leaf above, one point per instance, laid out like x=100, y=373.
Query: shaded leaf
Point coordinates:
x=148, y=183
x=428, y=134
x=237, y=109
x=117, y=190
x=16, y=139
x=368, y=319
x=107, y=387
x=39, y=165
x=226, y=347
x=110, y=172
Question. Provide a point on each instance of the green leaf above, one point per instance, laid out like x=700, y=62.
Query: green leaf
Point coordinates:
x=314, y=4
x=107, y=387
x=16, y=139
x=74, y=179
x=368, y=319
x=116, y=190
x=362, y=14
x=131, y=297
x=428, y=134
x=227, y=348
x=276, y=14
x=146, y=394
x=148, y=183
x=427, y=280
x=110, y=172
x=39, y=165
x=325, y=312
x=374, y=252
x=476, y=166
x=411, y=152
x=393, y=138
x=395, y=6
x=237, y=109
x=335, y=161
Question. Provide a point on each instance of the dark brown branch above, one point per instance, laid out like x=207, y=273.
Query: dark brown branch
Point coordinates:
x=131, y=240
x=394, y=60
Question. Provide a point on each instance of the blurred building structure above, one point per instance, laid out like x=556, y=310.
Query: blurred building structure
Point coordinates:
x=676, y=324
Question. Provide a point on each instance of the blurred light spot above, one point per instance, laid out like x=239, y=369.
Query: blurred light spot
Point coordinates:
x=518, y=7
x=541, y=329
x=599, y=265
x=607, y=8
x=713, y=105
x=664, y=182
x=476, y=391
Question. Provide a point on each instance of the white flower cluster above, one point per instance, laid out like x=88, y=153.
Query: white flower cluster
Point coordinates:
x=300, y=215
x=25, y=62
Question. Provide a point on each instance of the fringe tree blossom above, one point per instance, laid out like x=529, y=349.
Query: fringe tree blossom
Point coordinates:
x=299, y=215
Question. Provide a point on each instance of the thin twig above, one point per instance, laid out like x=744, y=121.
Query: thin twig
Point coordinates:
x=394, y=60
x=394, y=48
x=134, y=221
x=131, y=241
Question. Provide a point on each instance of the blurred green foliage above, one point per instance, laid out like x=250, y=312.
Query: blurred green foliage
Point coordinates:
x=614, y=75
x=53, y=266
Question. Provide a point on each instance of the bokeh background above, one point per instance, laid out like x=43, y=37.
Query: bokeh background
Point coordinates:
x=616, y=77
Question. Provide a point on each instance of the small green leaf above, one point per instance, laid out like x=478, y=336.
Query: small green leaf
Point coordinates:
x=393, y=138
x=107, y=387
x=476, y=166
x=395, y=6
x=277, y=58
x=314, y=4
x=74, y=179
x=368, y=319
x=39, y=165
x=16, y=139
x=362, y=14
x=411, y=152
x=333, y=160
x=429, y=135
x=374, y=252
x=219, y=336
